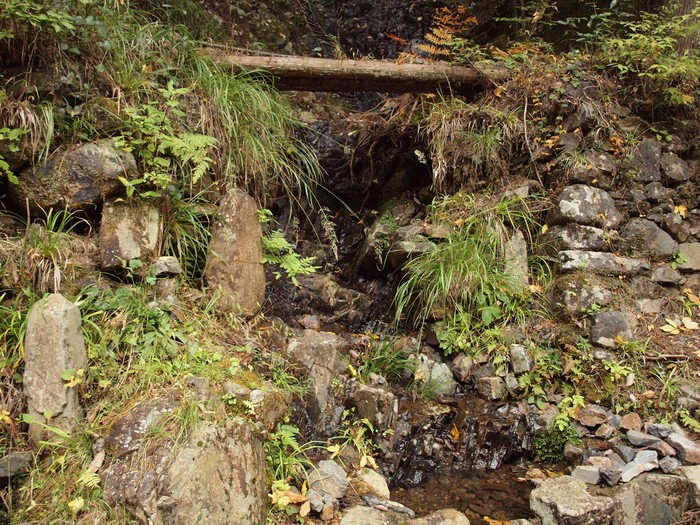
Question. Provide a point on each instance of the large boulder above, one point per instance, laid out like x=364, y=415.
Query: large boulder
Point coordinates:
x=565, y=501
x=78, y=179
x=54, y=349
x=643, y=238
x=234, y=263
x=217, y=477
x=129, y=231
x=588, y=206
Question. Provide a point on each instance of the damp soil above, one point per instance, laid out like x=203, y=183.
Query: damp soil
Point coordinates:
x=495, y=494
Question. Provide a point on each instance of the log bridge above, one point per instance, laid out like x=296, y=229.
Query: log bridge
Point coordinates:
x=323, y=74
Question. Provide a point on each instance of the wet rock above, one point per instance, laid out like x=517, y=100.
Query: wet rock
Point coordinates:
x=576, y=237
x=368, y=481
x=519, y=359
x=643, y=238
x=53, y=344
x=371, y=257
x=689, y=253
x=644, y=461
x=577, y=292
x=461, y=366
x=669, y=464
x=323, y=291
x=491, y=388
x=234, y=266
x=631, y=421
x=435, y=374
x=688, y=451
x=592, y=415
x=441, y=517
x=542, y=420
x=588, y=206
x=608, y=326
x=376, y=404
x=216, y=477
x=589, y=474
x=516, y=266
x=512, y=384
x=129, y=231
x=675, y=168
x=318, y=353
x=15, y=464
x=565, y=500
x=600, y=262
x=677, y=226
x=402, y=249
x=79, y=179
x=646, y=159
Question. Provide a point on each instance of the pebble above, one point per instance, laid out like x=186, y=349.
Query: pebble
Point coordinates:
x=631, y=421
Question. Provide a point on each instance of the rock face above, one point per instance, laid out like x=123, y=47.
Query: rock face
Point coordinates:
x=217, y=477
x=609, y=326
x=515, y=255
x=600, y=262
x=643, y=238
x=129, y=230
x=77, y=179
x=234, y=263
x=323, y=291
x=53, y=345
x=318, y=353
x=565, y=501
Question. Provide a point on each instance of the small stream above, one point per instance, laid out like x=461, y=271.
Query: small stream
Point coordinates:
x=497, y=494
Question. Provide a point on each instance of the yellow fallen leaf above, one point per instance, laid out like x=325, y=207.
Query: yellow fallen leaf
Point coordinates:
x=680, y=210
x=650, y=328
x=76, y=505
x=692, y=297
x=305, y=509
x=334, y=450
x=455, y=432
x=671, y=327
x=536, y=288
x=372, y=463
x=545, y=228
x=689, y=324
x=352, y=370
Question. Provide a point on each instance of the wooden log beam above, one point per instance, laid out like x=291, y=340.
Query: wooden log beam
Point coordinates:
x=323, y=74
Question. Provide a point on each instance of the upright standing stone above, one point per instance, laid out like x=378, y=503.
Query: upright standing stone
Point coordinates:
x=53, y=344
x=129, y=230
x=515, y=255
x=234, y=263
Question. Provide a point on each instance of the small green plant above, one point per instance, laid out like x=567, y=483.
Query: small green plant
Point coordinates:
x=279, y=251
x=688, y=421
x=549, y=446
x=11, y=135
x=358, y=434
x=151, y=133
x=286, y=457
x=383, y=358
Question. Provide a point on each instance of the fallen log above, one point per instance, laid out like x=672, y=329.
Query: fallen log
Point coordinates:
x=323, y=74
